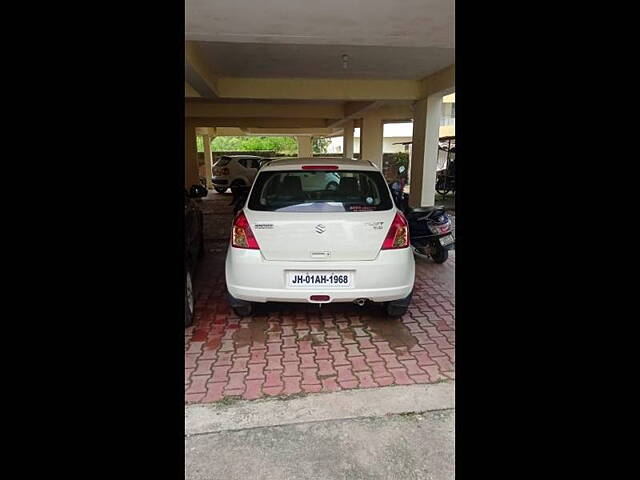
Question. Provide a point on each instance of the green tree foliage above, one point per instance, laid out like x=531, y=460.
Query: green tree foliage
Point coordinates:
x=320, y=145
x=281, y=145
x=401, y=159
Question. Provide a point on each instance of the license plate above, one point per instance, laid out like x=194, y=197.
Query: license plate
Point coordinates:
x=447, y=240
x=319, y=279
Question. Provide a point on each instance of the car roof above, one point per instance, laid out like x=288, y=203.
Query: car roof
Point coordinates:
x=342, y=163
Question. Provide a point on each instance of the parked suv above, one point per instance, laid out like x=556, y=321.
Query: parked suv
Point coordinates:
x=300, y=238
x=193, y=245
x=234, y=170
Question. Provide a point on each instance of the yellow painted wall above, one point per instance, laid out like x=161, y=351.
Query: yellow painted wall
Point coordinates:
x=319, y=89
x=447, y=130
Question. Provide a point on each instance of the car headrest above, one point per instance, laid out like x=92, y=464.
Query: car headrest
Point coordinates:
x=292, y=185
x=348, y=186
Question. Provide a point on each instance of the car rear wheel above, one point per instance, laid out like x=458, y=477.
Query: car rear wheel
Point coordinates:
x=241, y=308
x=398, y=308
x=395, y=310
x=243, y=311
x=220, y=189
x=189, y=299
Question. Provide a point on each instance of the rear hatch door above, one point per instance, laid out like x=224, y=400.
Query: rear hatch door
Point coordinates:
x=320, y=237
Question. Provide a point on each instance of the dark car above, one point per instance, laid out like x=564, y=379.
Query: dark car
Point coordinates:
x=193, y=245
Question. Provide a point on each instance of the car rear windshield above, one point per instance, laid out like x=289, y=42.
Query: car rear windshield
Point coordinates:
x=320, y=191
x=223, y=162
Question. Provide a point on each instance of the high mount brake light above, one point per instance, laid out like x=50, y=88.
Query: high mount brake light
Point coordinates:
x=241, y=234
x=398, y=235
x=319, y=167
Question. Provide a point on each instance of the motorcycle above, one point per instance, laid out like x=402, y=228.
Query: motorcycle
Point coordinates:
x=446, y=176
x=446, y=180
x=430, y=229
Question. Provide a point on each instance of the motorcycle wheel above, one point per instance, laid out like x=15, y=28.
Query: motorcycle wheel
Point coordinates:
x=441, y=254
x=443, y=189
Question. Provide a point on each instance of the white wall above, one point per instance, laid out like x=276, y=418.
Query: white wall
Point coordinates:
x=387, y=145
x=335, y=146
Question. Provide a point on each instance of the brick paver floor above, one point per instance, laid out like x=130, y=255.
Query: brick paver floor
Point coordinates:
x=286, y=349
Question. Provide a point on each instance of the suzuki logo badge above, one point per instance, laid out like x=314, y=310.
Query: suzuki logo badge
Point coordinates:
x=320, y=228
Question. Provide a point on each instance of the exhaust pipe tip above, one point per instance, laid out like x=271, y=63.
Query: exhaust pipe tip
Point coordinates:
x=360, y=301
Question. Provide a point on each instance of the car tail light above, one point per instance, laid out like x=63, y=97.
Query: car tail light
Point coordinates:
x=225, y=171
x=241, y=235
x=398, y=235
x=319, y=167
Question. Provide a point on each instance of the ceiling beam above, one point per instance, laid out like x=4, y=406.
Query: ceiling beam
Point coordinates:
x=189, y=91
x=292, y=131
x=197, y=72
x=199, y=108
x=442, y=81
x=211, y=131
x=355, y=110
x=319, y=89
x=394, y=113
x=268, y=122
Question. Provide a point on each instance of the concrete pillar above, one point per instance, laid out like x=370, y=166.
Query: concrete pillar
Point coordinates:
x=347, y=139
x=424, y=150
x=208, y=161
x=190, y=155
x=304, y=146
x=200, y=163
x=371, y=135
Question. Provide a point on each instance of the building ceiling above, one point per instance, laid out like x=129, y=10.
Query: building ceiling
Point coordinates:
x=323, y=61
x=405, y=23
x=383, y=39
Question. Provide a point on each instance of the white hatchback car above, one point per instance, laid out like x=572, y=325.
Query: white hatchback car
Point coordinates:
x=234, y=170
x=300, y=238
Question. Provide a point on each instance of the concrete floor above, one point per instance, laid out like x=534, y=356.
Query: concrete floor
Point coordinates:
x=403, y=447
x=404, y=432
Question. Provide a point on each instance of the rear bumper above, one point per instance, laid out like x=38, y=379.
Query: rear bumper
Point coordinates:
x=220, y=181
x=249, y=277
